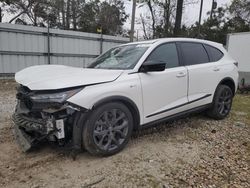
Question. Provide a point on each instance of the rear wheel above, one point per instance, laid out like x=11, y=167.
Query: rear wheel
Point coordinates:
x=108, y=129
x=222, y=102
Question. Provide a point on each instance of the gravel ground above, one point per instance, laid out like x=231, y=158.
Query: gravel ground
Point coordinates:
x=191, y=152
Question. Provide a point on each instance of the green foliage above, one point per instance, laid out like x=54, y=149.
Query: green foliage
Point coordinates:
x=109, y=17
x=240, y=9
x=232, y=19
x=214, y=29
x=80, y=15
x=158, y=21
x=224, y=20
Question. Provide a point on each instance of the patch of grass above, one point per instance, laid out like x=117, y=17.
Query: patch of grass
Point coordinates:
x=241, y=108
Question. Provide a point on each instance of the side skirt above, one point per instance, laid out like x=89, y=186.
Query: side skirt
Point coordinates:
x=178, y=106
x=176, y=116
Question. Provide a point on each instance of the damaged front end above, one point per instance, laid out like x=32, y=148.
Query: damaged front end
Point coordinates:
x=44, y=115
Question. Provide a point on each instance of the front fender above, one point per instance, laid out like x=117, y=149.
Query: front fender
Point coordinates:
x=126, y=88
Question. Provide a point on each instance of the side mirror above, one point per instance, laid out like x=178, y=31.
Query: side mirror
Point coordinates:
x=151, y=66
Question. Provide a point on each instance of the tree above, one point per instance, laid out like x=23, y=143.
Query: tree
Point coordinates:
x=109, y=16
x=216, y=29
x=157, y=21
x=151, y=5
x=32, y=9
x=69, y=14
x=220, y=24
x=152, y=12
x=240, y=9
x=168, y=9
x=178, y=19
x=87, y=20
x=160, y=19
x=143, y=22
x=240, y=16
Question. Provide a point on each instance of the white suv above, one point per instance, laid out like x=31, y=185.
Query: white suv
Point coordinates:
x=127, y=88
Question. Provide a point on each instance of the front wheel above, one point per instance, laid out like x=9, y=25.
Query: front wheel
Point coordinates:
x=108, y=129
x=222, y=102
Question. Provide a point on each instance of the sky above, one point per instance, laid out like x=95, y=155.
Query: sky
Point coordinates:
x=191, y=13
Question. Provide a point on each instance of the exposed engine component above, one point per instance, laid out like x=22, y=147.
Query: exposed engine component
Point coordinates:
x=35, y=121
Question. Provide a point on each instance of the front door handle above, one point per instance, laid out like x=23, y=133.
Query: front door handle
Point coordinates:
x=181, y=74
x=216, y=69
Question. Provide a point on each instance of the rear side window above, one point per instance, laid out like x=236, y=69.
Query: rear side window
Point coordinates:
x=214, y=53
x=165, y=53
x=194, y=53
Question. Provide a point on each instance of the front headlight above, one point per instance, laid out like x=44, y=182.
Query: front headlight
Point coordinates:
x=57, y=97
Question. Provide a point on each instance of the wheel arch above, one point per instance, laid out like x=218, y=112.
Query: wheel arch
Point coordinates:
x=228, y=82
x=127, y=102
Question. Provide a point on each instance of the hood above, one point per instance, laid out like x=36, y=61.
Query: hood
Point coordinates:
x=50, y=77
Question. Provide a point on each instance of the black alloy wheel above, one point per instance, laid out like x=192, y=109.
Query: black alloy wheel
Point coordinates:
x=222, y=102
x=108, y=129
x=225, y=102
x=111, y=129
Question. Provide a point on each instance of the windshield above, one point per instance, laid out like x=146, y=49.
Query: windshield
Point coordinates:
x=121, y=57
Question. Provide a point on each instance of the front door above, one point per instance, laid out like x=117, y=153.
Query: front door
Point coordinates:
x=164, y=93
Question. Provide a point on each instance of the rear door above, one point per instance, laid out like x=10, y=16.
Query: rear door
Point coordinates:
x=203, y=73
x=165, y=92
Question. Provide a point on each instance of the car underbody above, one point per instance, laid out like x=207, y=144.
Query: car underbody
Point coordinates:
x=38, y=121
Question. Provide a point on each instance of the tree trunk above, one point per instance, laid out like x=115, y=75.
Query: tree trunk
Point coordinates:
x=132, y=30
x=144, y=27
x=166, y=17
x=63, y=14
x=74, y=14
x=153, y=16
x=0, y=14
x=35, y=19
x=68, y=14
x=177, y=27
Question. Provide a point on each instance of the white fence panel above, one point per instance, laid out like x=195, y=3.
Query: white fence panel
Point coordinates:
x=24, y=46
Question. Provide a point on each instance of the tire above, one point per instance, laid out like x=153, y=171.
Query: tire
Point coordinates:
x=108, y=129
x=222, y=103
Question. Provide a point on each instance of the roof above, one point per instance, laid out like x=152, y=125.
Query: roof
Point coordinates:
x=160, y=40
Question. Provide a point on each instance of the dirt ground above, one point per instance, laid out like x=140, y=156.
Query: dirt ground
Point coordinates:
x=191, y=152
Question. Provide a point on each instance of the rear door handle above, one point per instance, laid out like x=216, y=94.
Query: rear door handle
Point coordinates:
x=216, y=69
x=181, y=74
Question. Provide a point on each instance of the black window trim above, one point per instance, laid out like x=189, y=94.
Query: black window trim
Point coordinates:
x=180, y=62
x=208, y=53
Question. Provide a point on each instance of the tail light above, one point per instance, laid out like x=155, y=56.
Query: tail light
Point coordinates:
x=236, y=64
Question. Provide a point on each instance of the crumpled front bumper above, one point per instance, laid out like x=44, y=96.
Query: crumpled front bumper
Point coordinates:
x=29, y=124
x=35, y=121
x=23, y=126
x=24, y=141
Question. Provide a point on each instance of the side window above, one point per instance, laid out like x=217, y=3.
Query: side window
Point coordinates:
x=214, y=53
x=194, y=53
x=165, y=53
